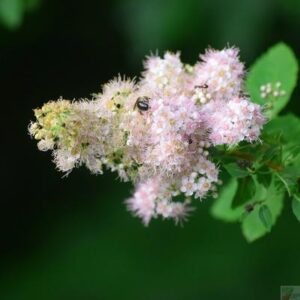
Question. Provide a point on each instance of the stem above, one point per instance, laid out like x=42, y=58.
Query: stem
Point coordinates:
x=285, y=184
x=249, y=157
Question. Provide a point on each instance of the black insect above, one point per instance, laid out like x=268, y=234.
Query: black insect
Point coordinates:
x=203, y=86
x=142, y=103
x=249, y=208
x=244, y=164
x=243, y=94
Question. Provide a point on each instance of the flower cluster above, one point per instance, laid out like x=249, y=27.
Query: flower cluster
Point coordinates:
x=158, y=132
x=238, y=120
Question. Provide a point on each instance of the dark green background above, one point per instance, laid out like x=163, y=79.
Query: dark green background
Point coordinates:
x=72, y=238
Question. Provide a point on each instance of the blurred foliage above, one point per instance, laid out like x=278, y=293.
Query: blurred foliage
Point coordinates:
x=72, y=238
x=12, y=11
x=157, y=25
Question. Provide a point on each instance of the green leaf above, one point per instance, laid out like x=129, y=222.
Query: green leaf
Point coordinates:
x=296, y=208
x=288, y=127
x=233, y=197
x=289, y=177
x=291, y=155
x=255, y=224
x=252, y=225
x=265, y=177
x=273, y=153
x=245, y=191
x=279, y=64
x=222, y=207
x=235, y=170
x=297, y=197
x=265, y=216
x=11, y=12
x=261, y=191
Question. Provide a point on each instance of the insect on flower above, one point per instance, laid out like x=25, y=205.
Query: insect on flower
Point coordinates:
x=170, y=152
x=202, y=86
x=142, y=103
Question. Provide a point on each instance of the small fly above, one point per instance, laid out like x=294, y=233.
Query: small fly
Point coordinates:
x=202, y=86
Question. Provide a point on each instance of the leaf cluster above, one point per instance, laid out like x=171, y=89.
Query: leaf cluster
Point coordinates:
x=260, y=177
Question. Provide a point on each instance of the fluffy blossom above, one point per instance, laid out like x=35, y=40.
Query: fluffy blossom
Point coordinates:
x=234, y=121
x=150, y=200
x=158, y=132
x=165, y=75
x=143, y=201
x=222, y=72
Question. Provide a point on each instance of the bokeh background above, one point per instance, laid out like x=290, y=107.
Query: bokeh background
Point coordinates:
x=72, y=238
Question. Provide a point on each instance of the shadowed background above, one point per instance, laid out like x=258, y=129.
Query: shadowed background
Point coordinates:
x=72, y=238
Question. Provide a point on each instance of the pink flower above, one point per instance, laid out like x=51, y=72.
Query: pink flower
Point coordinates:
x=221, y=71
x=165, y=75
x=180, y=212
x=142, y=204
x=234, y=121
x=158, y=132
